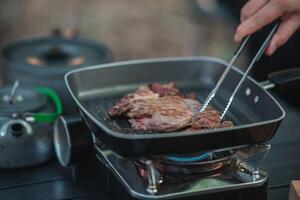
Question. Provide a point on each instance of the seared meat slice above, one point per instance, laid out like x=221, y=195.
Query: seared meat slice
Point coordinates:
x=125, y=103
x=168, y=113
x=169, y=90
x=162, y=108
x=193, y=105
x=165, y=90
x=191, y=95
x=153, y=90
x=209, y=119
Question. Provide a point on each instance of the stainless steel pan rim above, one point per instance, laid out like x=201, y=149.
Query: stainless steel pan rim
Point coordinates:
x=173, y=134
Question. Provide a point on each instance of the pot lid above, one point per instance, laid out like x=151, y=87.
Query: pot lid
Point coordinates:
x=14, y=99
x=56, y=53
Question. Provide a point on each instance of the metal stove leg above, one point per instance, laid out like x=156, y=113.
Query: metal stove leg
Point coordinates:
x=154, y=178
x=256, y=155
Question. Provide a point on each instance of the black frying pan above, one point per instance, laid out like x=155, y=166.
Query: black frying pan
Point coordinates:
x=255, y=113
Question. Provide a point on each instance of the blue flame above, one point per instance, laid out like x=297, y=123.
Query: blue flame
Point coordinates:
x=182, y=158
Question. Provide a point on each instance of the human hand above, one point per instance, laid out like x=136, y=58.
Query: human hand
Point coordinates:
x=258, y=13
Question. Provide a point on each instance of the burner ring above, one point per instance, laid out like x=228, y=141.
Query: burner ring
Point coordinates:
x=176, y=166
x=212, y=157
x=188, y=158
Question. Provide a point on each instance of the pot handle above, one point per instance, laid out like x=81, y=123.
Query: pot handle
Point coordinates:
x=47, y=117
x=283, y=79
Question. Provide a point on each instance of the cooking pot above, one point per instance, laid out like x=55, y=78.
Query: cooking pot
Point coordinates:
x=44, y=61
x=26, y=117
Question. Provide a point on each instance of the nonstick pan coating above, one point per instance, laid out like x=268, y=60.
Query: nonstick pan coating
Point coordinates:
x=255, y=113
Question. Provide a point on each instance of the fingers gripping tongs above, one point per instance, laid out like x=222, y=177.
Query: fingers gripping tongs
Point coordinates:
x=229, y=66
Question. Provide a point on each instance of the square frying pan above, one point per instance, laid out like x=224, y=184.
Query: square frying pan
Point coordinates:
x=255, y=113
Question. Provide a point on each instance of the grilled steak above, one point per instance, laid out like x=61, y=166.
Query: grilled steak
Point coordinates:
x=165, y=90
x=209, y=119
x=157, y=107
x=153, y=90
x=168, y=113
x=128, y=100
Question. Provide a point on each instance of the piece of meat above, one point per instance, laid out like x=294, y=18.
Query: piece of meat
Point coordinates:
x=125, y=103
x=161, y=107
x=165, y=90
x=153, y=90
x=168, y=113
x=208, y=119
x=170, y=90
x=191, y=95
x=193, y=105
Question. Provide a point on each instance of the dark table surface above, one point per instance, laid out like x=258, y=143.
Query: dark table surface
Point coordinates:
x=51, y=181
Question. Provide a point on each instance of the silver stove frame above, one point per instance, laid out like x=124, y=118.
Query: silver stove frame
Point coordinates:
x=246, y=174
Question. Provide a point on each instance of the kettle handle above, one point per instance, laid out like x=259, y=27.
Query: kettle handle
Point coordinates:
x=48, y=117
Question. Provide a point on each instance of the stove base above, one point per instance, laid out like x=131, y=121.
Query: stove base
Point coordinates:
x=117, y=191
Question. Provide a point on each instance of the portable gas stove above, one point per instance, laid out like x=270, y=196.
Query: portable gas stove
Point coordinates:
x=233, y=174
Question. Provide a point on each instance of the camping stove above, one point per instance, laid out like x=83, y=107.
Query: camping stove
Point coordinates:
x=234, y=174
x=224, y=174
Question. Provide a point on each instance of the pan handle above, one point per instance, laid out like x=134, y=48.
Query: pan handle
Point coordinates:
x=287, y=79
x=73, y=142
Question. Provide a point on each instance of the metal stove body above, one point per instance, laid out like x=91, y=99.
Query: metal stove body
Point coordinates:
x=237, y=175
x=228, y=174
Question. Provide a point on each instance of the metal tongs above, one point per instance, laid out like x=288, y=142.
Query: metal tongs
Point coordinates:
x=229, y=67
